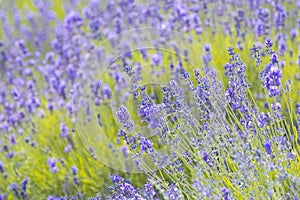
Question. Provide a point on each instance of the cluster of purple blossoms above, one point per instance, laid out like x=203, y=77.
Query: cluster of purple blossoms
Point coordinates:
x=273, y=77
x=52, y=165
x=238, y=84
x=124, y=118
x=1, y=167
x=123, y=189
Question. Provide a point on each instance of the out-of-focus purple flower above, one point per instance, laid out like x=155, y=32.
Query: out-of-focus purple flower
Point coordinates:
x=106, y=91
x=1, y=167
x=68, y=148
x=52, y=165
x=74, y=170
x=298, y=109
x=268, y=147
x=156, y=59
x=293, y=33
x=225, y=193
x=64, y=130
x=144, y=53
x=53, y=198
x=14, y=187
x=10, y=154
x=50, y=106
x=282, y=47
x=207, y=47
x=262, y=23
x=73, y=20
x=124, y=150
x=13, y=139
x=279, y=16
x=24, y=184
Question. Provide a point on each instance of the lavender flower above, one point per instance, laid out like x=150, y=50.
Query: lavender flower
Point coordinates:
x=238, y=84
x=225, y=193
x=24, y=184
x=298, y=109
x=267, y=146
x=146, y=144
x=68, y=148
x=200, y=139
x=1, y=167
x=272, y=81
x=173, y=193
x=156, y=59
x=124, y=150
x=74, y=170
x=52, y=165
x=124, y=118
x=123, y=189
x=13, y=139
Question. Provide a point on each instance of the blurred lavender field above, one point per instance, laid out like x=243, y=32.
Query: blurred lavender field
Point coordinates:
x=173, y=99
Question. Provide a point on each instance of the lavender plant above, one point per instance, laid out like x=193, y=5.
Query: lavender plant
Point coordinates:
x=149, y=100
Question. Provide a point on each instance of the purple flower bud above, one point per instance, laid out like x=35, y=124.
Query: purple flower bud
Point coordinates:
x=268, y=147
x=225, y=193
x=74, y=170
x=27, y=140
x=123, y=114
x=269, y=43
x=68, y=148
x=117, y=179
x=14, y=187
x=124, y=150
x=10, y=154
x=207, y=47
x=156, y=59
x=24, y=184
x=298, y=109
x=13, y=139
x=146, y=144
x=1, y=167
x=293, y=33
x=205, y=157
x=64, y=130
x=50, y=106
x=173, y=193
x=33, y=144
x=262, y=120
x=106, y=91
x=54, y=169
x=53, y=198
x=274, y=58
x=52, y=165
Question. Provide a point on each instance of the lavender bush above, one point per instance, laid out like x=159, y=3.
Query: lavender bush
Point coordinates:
x=149, y=99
